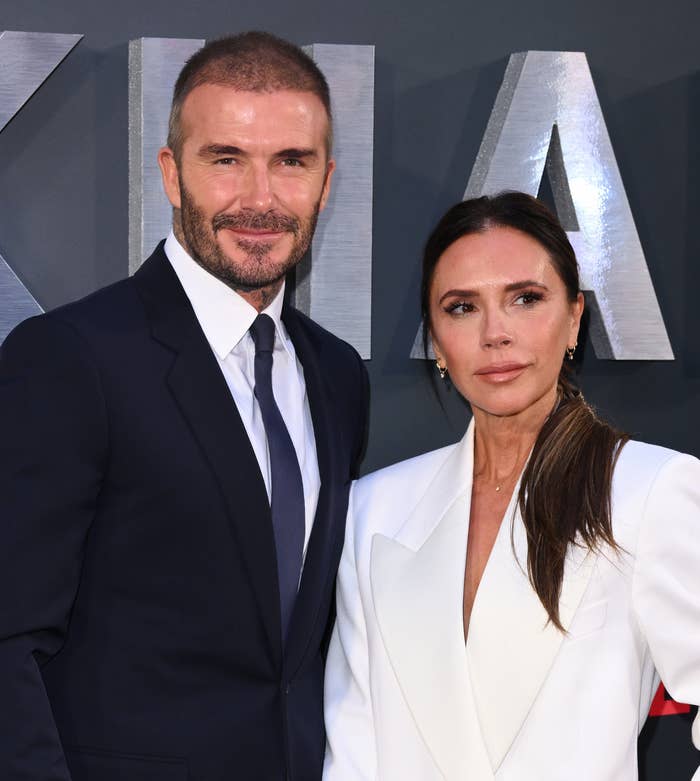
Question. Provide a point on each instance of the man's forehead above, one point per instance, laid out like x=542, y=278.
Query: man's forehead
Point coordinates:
x=220, y=110
x=220, y=94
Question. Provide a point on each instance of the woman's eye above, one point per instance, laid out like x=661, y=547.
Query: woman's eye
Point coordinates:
x=529, y=298
x=459, y=308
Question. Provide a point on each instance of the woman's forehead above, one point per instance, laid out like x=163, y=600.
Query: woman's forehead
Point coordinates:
x=498, y=256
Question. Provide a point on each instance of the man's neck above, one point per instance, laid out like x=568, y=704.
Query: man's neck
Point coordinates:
x=262, y=297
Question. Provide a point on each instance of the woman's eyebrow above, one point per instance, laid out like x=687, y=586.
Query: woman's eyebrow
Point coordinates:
x=523, y=284
x=458, y=292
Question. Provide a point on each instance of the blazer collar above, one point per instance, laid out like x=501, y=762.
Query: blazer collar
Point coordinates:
x=469, y=704
x=199, y=388
x=511, y=644
x=417, y=581
x=317, y=577
x=215, y=422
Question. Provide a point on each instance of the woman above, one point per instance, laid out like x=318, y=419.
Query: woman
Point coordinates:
x=506, y=605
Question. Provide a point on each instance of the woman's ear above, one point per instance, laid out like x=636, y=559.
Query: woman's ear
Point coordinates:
x=577, y=307
x=439, y=357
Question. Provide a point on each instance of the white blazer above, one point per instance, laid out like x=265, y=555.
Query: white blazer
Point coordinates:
x=406, y=701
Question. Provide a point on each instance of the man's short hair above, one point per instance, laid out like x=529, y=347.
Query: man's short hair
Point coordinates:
x=250, y=62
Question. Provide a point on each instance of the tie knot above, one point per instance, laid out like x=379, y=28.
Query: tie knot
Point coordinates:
x=263, y=333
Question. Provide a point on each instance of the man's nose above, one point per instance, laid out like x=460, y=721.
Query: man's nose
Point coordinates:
x=257, y=189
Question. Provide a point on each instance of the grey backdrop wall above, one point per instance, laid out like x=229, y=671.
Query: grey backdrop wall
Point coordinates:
x=64, y=182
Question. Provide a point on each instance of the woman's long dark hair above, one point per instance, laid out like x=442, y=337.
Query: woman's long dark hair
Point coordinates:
x=565, y=491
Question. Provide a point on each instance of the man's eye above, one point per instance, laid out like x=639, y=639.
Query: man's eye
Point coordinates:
x=225, y=160
x=291, y=162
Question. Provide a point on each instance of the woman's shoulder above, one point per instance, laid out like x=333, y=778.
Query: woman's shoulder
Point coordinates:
x=407, y=475
x=395, y=489
x=643, y=469
x=639, y=462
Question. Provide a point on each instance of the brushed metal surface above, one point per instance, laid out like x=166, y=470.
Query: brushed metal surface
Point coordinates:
x=334, y=287
x=547, y=115
x=16, y=302
x=154, y=65
x=26, y=61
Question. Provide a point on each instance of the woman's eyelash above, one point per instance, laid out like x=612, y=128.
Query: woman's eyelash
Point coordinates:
x=465, y=306
x=530, y=296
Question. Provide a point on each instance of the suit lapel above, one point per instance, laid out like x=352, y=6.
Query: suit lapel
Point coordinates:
x=326, y=525
x=468, y=705
x=201, y=392
x=417, y=583
x=510, y=646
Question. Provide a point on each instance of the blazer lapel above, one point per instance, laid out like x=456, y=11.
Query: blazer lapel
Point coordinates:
x=200, y=390
x=510, y=646
x=417, y=584
x=468, y=705
x=327, y=524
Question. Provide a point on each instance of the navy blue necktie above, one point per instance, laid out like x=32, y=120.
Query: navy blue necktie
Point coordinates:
x=287, y=503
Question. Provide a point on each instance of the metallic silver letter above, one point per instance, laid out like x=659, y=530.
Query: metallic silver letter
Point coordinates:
x=336, y=289
x=16, y=302
x=547, y=114
x=26, y=61
x=154, y=65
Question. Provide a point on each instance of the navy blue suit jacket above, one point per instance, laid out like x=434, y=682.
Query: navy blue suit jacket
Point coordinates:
x=140, y=630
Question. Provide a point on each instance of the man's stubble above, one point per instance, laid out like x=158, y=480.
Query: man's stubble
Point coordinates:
x=256, y=271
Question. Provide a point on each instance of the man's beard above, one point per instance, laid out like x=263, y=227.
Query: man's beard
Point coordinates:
x=255, y=270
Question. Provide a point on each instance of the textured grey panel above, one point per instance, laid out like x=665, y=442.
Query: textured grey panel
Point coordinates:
x=547, y=113
x=336, y=288
x=16, y=302
x=154, y=65
x=26, y=61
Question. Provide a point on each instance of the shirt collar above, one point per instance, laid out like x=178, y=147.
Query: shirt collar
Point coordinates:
x=223, y=315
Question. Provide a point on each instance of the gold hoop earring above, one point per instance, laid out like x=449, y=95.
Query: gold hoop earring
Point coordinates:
x=570, y=351
x=442, y=370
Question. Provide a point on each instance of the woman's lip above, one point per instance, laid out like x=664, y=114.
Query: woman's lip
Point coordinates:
x=502, y=373
x=500, y=368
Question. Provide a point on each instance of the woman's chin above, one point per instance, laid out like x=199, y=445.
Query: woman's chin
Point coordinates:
x=503, y=408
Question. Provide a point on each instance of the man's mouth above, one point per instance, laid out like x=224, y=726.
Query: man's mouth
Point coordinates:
x=256, y=227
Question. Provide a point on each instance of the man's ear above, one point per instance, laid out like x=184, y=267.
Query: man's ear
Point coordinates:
x=330, y=167
x=170, y=174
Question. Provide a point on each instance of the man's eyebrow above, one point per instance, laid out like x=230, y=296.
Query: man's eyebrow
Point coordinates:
x=296, y=153
x=214, y=150
x=510, y=288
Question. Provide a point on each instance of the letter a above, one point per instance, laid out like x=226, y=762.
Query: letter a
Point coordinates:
x=547, y=116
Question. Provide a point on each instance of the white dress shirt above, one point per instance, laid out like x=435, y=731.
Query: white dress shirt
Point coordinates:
x=225, y=318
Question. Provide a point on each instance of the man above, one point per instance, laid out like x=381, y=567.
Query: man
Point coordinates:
x=175, y=461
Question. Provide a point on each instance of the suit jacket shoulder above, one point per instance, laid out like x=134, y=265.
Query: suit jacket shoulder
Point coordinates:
x=334, y=365
x=383, y=500
x=319, y=336
x=642, y=470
